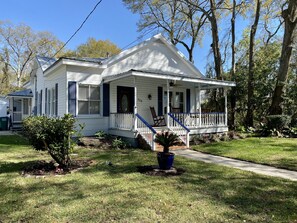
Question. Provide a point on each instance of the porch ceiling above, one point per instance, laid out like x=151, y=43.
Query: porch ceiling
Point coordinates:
x=204, y=83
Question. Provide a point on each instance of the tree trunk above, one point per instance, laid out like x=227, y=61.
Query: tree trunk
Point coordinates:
x=215, y=41
x=233, y=69
x=290, y=18
x=250, y=103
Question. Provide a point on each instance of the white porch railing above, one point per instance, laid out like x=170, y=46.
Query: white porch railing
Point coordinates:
x=121, y=121
x=194, y=120
x=178, y=128
x=146, y=131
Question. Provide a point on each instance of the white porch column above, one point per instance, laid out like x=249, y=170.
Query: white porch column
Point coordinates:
x=135, y=104
x=168, y=108
x=226, y=106
x=199, y=106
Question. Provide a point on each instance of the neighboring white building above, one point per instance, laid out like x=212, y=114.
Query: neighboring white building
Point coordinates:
x=3, y=106
x=115, y=94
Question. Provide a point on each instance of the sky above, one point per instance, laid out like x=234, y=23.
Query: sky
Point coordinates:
x=110, y=21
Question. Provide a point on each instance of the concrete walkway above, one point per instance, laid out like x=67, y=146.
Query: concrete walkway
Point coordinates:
x=6, y=133
x=243, y=165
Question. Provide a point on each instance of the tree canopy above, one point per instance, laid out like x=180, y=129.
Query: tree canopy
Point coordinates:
x=95, y=49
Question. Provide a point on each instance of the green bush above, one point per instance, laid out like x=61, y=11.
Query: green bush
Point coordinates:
x=294, y=120
x=278, y=122
x=101, y=134
x=119, y=143
x=52, y=135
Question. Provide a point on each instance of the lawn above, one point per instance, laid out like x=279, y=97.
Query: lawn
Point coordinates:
x=278, y=152
x=103, y=193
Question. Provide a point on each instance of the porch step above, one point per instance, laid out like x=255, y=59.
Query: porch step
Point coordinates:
x=172, y=148
x=16, y=127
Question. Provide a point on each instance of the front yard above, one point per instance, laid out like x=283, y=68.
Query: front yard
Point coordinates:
x=118, y=193
x=277, y=152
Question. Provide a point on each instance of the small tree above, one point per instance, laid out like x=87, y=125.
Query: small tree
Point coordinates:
x=167, y=139
x=52, y=135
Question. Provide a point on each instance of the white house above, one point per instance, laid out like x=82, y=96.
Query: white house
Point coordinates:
x=3, y=106
x=116, y=94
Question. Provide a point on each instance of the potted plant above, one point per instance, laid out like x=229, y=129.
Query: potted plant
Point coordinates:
x=165, y=158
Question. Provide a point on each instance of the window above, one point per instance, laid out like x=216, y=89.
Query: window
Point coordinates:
x=26, y=106
x=88, y=99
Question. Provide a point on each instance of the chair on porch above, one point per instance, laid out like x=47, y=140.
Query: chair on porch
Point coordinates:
x=158, y=120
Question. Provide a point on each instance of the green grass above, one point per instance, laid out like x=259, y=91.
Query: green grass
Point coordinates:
x=278, y=152
x=102, y=193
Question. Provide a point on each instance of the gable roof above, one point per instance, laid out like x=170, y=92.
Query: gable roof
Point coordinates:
x=45, y=62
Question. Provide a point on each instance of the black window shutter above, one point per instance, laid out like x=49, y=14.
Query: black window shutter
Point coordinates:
x=188, y=100
x=72, y=97
x=36, y=102
x=45, y=101
x=40, y=102
x=106, y=102
x=56, y=106
x=160, y=101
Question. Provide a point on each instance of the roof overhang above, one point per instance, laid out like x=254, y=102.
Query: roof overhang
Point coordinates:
x=27, y=93
x=204, y=83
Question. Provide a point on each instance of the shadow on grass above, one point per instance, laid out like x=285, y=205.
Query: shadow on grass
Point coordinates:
x=247, y=193
x=11, y=167
x=13, y=140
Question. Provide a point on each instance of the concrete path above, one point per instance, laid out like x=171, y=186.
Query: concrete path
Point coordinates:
x=243, y=165
x=6, y=133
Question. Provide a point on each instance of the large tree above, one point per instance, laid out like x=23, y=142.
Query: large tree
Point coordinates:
x=251, y=100
x=97, y=48
x=180, y=20
x=19, y=44
x=290, y=17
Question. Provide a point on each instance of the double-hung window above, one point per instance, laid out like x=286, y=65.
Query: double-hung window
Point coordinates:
x=88, y=99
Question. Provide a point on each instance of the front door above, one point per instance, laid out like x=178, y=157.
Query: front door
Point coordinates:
x=17, y=110
x=176, y=101
x=125, y=99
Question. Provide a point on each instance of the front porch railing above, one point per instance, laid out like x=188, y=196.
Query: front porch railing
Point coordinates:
x=121, y=121
x=194, y=120
x=179, y=128
x=146, y=131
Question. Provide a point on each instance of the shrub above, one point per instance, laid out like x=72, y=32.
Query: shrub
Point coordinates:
x=52, y=135
x=294, y=120
x=277, y=122
x=119, y=143
x=101, y=134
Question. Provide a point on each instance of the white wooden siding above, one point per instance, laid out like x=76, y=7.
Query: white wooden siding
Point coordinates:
x=155, y=56
x=82, y=75
x=59, y=76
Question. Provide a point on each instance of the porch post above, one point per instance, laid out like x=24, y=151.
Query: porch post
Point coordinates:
x=135, y=104
x=226, y=108
x=199, y=100
x=168, y=108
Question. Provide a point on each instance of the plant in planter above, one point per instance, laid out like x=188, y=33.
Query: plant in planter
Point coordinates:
x=165, y=158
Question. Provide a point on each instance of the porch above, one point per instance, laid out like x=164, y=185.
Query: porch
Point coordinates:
x=134, y=92
x=19, y=107
x=184, y=125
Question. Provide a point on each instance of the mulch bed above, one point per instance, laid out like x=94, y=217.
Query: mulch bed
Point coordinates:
x=156, y=171
x=42, y=168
